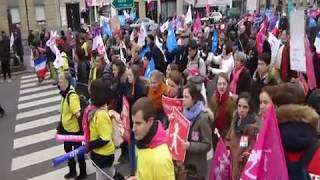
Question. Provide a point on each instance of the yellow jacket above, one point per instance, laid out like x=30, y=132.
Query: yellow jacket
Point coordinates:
x=101, y=127
x=155, y=162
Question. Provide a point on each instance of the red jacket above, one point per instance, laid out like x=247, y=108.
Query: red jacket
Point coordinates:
x=314, y=164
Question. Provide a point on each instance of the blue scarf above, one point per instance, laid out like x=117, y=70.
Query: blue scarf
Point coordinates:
x=193, y=112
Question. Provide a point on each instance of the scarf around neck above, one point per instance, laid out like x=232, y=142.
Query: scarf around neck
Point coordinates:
x=222, y=101
x=143, y=143
x=65, y=92
x=193, y=112
x=235, y=78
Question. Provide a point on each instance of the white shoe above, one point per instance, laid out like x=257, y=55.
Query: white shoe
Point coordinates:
x=9, y=80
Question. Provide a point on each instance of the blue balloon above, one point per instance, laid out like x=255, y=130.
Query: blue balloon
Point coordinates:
x=312, y=23
x=60, y=159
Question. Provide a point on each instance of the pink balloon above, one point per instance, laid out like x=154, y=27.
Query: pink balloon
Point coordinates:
x=69, y=138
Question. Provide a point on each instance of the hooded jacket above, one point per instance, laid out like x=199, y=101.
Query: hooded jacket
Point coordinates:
x=299, y=126
x=154, y=159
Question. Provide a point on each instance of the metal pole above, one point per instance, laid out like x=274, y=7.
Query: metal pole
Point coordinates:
x=27, y=14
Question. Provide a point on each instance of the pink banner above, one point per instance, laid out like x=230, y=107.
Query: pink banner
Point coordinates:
x=221, y=163
x=169, y=104
x=85, y=122
x=125, y=116
x=178, y=135
x=260, y=36
x=312, y=83
x=266, y=160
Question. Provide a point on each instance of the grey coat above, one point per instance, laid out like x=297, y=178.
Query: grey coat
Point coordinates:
x=200, y=138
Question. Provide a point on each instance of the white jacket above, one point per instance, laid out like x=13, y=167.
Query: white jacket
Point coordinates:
x=226, y=64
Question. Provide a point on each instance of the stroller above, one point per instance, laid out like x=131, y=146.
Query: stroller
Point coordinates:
x=1, y=112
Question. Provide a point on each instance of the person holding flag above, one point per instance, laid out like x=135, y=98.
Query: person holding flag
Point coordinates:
x=200, y=137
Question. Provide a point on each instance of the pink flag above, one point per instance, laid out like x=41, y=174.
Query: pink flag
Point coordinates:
x=221, y=164
x=266, y=160
x=197, y=25
x=260, y=37
x=312, y=83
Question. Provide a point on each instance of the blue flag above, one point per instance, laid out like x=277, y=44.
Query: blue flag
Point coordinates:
x=122, y=20
x=106, y=30
x=133, y=15
x=312, y=23
x=143, y=52
x=150, y=68
x=171, y=39
x=215, y=42
x=290, y=6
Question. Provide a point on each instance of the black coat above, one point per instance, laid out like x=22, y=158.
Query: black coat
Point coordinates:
x=5, y=49
x=158, y=57
x=182, y=58
x=244, y=83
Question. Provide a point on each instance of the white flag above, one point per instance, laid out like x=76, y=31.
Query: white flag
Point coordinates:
x=11, y=40
x=142, y=35
x=98, y=45
x=164, y=26
x=188, y=19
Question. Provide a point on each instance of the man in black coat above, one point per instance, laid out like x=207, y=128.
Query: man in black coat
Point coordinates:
x=5, y=56
x=156, y=54
x=181, y=58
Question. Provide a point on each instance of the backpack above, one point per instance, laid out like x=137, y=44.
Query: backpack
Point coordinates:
x=299, y=170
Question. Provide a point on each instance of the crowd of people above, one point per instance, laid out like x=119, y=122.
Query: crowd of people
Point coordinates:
x=225, y=91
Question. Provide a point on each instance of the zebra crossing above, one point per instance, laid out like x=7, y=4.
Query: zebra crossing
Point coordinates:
x=34, y=146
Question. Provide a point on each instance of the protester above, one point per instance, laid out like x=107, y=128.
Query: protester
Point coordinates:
x=64, y=57
x=200, y=133
x=134, y=90
x=157, y=89
x=195, y=61
x=242, y=134
x=5, y=57
x=225, y=60
x=69, y=124
x=222, y=105
x=101, y=143
x=156, y=54
x=171, y=67
x=83, y=72
x=175, y=83
x=263, y=76
x=154, y=158
x=97, y=69
x=240, y=78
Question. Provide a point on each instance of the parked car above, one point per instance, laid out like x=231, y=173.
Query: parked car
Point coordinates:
x=216, y=16
x=148, y=23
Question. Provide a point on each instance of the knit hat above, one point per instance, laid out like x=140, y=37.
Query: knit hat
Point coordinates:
x=265, y=57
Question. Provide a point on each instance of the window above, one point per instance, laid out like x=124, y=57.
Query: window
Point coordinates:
x=15, y=15
x=40, y=14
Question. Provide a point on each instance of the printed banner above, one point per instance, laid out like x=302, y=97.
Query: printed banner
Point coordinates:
x=169, y=104
x=126, y=119
x=297, y=49
x=178, y=135
x=275, y=46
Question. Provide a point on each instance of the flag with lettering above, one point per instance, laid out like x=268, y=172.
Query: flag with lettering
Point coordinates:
x=267, y=160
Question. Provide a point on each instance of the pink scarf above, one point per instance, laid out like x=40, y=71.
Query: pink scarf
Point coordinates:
x=235, y=78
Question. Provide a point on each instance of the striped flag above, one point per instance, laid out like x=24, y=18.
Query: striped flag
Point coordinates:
x=40, y=66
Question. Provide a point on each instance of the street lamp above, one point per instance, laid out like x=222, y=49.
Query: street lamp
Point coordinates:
x=27, y=14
